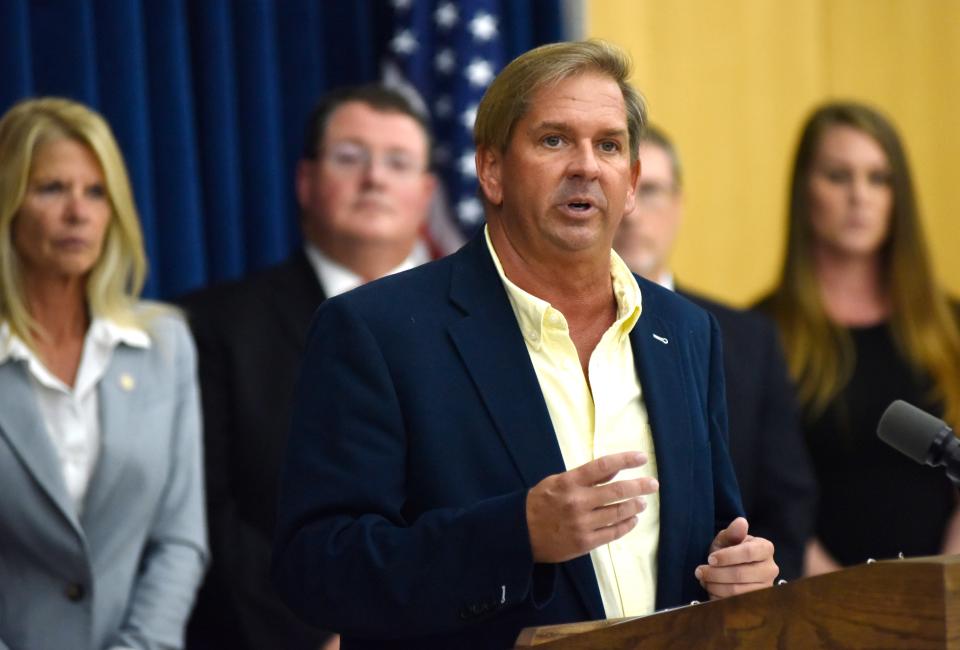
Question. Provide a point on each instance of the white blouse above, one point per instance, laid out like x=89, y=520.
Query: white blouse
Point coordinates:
x=72, y=414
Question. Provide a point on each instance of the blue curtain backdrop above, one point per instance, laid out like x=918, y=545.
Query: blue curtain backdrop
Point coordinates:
x=208, y=100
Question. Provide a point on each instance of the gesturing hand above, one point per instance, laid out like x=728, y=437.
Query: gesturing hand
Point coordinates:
x=572, y=513
x=737, y=562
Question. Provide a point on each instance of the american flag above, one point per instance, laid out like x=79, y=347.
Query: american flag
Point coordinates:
x=449, y=52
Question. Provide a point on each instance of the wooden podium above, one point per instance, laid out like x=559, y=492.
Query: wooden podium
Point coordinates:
x=893, y=605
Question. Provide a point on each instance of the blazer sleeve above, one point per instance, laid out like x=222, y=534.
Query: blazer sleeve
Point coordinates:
x=175, y=553
x=350, y=554
x=727, y=502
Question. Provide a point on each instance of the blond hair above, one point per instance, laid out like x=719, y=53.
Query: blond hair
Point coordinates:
x=820, y=353
x=116, y=279
x=508, y=97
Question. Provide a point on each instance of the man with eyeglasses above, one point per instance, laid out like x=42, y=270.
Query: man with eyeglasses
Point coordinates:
x=769, y=455
x=364, y=187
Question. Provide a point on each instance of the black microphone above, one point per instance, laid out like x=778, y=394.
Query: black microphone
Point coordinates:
x=922, y=437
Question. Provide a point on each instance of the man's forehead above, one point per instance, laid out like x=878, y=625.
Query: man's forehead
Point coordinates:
x=655, y=162
x=361, y=121
x=586, y=92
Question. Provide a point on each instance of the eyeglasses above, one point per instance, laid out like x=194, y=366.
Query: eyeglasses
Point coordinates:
x=655, y=195
x=349, y=158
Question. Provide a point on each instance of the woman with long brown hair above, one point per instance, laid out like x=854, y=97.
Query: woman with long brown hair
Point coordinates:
x=864, y=322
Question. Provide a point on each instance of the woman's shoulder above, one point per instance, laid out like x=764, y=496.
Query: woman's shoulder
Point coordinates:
x=166, y=327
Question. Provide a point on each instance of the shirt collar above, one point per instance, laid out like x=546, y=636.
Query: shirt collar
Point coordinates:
x=666, y=281
x=102, y=332
x=535, y=315
x=11, y=347
x=335, y=278
x=108, y=333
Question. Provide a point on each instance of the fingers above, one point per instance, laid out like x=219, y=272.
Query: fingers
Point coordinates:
x=732, y=535
x=738, y=569
x=603, y=469
x=622, y=490
x=609, y=534
x=571, y=513
x=613, y=514
x=718, y=590
x=721, y=582
x=752, y=549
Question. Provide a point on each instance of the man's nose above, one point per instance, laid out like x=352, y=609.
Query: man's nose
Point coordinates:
x=584, y=162
x=375, y=171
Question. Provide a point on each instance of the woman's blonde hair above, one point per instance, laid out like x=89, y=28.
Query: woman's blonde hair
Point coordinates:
x=116, y=279
x=820, y=353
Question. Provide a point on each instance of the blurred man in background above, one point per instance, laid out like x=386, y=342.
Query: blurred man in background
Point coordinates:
x=363, y=186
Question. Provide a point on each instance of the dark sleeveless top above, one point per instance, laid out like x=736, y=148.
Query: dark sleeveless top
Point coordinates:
x=874, y=501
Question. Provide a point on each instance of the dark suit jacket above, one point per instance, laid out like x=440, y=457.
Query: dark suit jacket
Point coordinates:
x=419, y=426
x=250, y=337
x=769, y=454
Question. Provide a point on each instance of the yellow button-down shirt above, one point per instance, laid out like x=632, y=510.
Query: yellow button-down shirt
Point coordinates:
x=589, y=424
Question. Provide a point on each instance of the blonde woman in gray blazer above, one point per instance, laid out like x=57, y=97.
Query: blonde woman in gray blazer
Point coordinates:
x=102, y=535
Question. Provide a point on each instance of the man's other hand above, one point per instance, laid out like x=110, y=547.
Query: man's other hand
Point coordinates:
x=572, y=513
x=737, y=562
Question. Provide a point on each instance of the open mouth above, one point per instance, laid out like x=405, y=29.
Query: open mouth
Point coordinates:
x=579, y=206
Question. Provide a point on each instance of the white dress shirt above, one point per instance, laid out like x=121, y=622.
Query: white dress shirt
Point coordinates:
x=336, y=278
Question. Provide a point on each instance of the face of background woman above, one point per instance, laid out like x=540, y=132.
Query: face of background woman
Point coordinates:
x=850, y=193
x=60, y=227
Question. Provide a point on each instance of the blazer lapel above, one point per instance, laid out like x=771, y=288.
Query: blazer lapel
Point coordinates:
x=657, y=353
x=119, y=393
x=295, y=297
x=494, y=352
x=23, y=427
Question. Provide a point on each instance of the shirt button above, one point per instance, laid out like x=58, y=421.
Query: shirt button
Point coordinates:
x=75, y=592
x=533, y=336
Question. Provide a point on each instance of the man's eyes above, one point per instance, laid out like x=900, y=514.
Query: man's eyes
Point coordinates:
x=552, y=140
x=606, y=146
x=610, y=146
x=400, y=162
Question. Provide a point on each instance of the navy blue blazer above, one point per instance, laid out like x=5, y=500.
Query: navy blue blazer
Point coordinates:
x=418, y=428
x=777, y=484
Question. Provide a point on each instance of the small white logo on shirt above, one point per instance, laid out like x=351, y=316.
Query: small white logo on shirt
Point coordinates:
x=662, y=339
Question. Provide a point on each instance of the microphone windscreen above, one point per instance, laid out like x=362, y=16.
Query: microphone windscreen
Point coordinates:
x=909, y=430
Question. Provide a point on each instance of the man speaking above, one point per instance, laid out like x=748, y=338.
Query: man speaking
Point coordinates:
x=522, y=433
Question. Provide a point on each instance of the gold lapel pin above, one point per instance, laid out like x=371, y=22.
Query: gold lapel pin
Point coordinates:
x=127, y=382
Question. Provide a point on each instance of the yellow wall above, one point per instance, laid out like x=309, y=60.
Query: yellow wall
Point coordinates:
x=732, y=81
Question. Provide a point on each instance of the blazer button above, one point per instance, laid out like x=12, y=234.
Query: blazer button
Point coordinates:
x=75, y=592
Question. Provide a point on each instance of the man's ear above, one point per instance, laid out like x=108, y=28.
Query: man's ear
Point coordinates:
x=490, y=174
x=428, y=190
x=429, y=186
x=631, y=199
x=306, y=171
